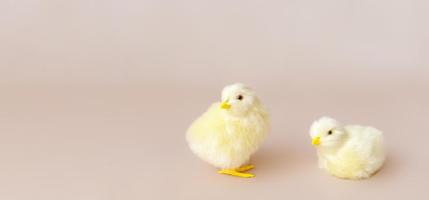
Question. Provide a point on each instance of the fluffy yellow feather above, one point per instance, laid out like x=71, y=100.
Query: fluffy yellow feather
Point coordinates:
x=351, y=152
x=228, y=133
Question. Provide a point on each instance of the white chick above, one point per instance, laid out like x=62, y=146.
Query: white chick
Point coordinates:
x=228, y=133
x=350, y=152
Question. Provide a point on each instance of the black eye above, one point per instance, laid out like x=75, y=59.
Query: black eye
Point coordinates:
x=240, y=97
x=330, y=132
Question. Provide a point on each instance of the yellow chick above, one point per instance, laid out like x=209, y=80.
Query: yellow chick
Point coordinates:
x=350, y=152
x=228, y=133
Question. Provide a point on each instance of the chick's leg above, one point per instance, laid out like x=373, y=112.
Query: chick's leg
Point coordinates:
x=233, y=172
x=245, y=168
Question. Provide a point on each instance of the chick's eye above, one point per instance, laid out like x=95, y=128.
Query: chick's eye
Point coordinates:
x=330, y=132
x=240, y=97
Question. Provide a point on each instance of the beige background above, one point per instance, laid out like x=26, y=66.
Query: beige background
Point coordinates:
x=95, y=96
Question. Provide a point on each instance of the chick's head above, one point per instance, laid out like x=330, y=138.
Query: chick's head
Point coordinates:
x=238, y=99
x=327, y=133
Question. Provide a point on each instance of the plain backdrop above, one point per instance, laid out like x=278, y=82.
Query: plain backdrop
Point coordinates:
x=96, y=95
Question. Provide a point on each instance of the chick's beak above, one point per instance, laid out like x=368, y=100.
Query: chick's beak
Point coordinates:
x=225, y=105
x=316, y=141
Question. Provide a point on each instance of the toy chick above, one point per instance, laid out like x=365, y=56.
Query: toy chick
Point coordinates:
x=228, y=133
x=350, y=152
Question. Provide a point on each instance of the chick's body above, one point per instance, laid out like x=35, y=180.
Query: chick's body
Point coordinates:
x=226, y=143
x=226, y=138
x=356, y=152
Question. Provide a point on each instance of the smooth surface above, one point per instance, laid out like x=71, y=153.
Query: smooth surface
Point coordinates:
x=69, y=142
x=96, y=96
